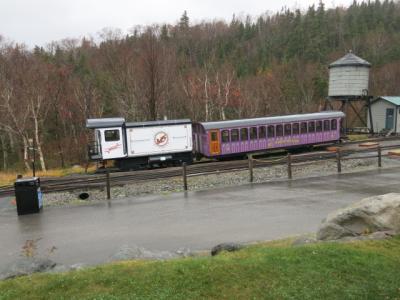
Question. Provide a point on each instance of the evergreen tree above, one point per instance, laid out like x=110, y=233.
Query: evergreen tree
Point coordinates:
x=184, y=22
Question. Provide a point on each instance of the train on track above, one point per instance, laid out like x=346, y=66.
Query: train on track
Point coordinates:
x=172, y=142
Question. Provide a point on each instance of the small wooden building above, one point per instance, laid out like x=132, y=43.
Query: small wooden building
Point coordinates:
x=385, y=114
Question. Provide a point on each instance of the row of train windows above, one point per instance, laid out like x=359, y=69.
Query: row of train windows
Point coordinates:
x=272, y=131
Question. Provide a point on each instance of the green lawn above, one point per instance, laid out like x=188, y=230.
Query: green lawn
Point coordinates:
x=362, y=270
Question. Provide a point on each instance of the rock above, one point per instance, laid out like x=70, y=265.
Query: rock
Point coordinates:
x=83, y=196
x=379, y=235
x=135, y=252
x=59, y=269
x=184, y=252
x=370, y=215
x=26, y=266
x=230, y=247
x=126, y=252
x=382, y=235
x=66, y=268
x=78, y=266
x=332, y=231
x=304, y=240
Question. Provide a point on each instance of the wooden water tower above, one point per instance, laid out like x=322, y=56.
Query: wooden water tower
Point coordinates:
x=348, y=87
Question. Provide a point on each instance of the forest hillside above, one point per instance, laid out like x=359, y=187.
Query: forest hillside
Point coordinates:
x=256, y=66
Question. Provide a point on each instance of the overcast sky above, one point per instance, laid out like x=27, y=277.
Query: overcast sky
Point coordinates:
x=38, y=22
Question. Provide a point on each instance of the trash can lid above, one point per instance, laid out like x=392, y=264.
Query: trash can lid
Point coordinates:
x=27, y=181
x=24, y=179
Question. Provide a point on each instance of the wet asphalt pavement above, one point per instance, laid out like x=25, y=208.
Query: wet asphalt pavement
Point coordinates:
x=6, y=203
x=197, y=220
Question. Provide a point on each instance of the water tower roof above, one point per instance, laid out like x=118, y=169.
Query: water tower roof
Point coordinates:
x=350, y=59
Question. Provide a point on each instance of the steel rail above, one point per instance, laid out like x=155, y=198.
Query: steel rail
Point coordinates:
x=122, y=178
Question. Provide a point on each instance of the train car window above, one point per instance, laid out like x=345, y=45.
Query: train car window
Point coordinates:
x=288, y=129
x=244, y=134
x=319, y=126
x=225, y=136
x=214, y=136
x=295, y=128
x=234, y=135
x=333, y=124
x=111, y=135
x=311, y=127
x=271, y=131
x=326, y=125
x=303, y=127
x=262, y=132
x=253, y=133
x=279, y=130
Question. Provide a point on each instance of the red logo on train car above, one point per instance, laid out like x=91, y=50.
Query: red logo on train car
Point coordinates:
x=113, y=147
x=161, y=139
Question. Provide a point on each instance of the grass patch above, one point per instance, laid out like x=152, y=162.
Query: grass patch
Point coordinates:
x=8, y=178
x=357, y=137
x=360, y=270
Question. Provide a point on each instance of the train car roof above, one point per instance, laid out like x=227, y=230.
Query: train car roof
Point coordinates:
x=157, y=123
x=271, y=120
x=104, y=122
x=119, y=122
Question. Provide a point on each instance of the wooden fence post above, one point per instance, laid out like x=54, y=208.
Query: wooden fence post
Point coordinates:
x=251, y=168
x=108, y=184
x=379, y=156
x=289, y=166
x=338, y=160
x=184, y=173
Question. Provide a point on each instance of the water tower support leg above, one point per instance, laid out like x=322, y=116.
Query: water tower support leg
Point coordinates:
x=343, y=129
x=358, y=115
x=370, y=115
x=346, y=105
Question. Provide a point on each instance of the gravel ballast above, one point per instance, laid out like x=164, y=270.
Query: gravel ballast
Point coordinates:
x=203, y=182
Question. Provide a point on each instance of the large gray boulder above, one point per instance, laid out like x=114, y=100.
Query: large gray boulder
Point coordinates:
x=373, y=214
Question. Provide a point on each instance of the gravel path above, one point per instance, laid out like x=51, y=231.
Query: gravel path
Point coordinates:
x=203, y=182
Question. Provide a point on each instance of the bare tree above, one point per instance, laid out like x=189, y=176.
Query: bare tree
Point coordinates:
x=13, y=108
x=153, y=68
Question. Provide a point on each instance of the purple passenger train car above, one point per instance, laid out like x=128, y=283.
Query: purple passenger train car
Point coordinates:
x=237, y=137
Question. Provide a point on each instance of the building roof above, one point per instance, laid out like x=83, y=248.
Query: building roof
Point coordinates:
x=395, y=100
x=350, y=59
x=104, y=122
x=157, y=123
x=272, y=120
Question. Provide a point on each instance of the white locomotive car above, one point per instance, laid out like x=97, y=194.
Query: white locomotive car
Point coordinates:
x=141, y=144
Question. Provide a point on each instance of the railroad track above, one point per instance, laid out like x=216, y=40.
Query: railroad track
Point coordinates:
x=84, y=182
x=377, y=139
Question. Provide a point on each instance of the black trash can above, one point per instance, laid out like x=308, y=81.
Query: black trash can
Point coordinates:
x=28, y=195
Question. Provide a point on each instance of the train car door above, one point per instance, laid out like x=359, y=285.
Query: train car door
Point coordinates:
x=215, y=148
x=112, y=144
